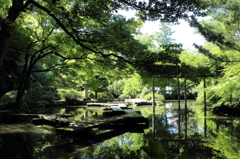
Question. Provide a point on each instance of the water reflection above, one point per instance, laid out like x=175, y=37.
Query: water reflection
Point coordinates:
x=171, y=131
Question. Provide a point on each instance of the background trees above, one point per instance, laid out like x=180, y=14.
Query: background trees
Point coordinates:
x=222, y=33
x=76, y=40
x=50, y=45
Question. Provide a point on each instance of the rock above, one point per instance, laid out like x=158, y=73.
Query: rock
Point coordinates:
x=8, y=97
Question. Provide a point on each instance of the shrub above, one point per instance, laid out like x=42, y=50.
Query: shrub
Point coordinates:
x=105, y=96
x=69, y=94
x=158, y=97
x=148, y=96
x=144, y=92
x=124, y=96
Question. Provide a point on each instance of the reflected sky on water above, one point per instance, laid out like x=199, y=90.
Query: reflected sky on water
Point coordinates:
x=170, y=132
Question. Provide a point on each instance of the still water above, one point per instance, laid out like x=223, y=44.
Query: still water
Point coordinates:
x=172, y=132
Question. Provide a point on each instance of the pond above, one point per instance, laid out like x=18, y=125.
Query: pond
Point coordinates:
x=172, y=133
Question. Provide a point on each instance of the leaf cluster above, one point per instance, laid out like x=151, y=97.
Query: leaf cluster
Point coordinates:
x=166, y=10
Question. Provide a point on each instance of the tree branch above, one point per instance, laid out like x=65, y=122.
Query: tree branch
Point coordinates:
x=72, y=58
x=77, y=40
x=210, y=55
x=51, y=68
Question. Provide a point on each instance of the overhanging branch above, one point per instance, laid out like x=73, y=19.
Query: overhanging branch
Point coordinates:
x=210, y=55
x=77, y=40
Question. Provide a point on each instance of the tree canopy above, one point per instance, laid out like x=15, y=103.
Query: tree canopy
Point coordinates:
x=87, y=22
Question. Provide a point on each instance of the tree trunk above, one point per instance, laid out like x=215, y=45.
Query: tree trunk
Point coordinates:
x=153, y=96
x=22, y=88
x=179, y=110
x=26, y=78
x=185, y=94
x=7, y=27
x=4, y=40
x=205, y=97
x=96, y=96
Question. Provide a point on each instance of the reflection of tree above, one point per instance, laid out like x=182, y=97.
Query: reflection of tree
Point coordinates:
x=169, y=139
x=198, y=121
x=161, y=129
x=79, y=113
x=124, y=146
x=46, y=147
x=97, y=146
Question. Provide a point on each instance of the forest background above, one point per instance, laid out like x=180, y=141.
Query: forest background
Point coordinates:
x=51, y=47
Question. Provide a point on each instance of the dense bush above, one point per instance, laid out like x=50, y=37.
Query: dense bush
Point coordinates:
x=158, y=97
x=144, y=92
x=124, y=96
x=70, y=94
x=107, y=96
x=116, y=87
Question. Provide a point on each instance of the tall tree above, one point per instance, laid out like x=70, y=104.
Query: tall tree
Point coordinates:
x=155, y=40
x=54, y=51
x=164, y=36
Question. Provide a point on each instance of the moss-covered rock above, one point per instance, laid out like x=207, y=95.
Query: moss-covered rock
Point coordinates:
x=9, y=97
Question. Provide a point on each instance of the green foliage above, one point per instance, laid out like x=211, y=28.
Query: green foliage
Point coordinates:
x=165, y=6
x=163, y=54
x=148, y=96
x=69, y=94
x=116, y=87
x=194, y=59
x=158, y=151
x=155, y=40
x=165, y=34
x=222, y=89
x=106, y=96
x=225, y=145
x=5, y=6
x=222, y=33
x=144, y=92
x=158, y=98
x=124, y=96
x=94, y=83
x=222, y=29
x=84, y=38
x=37, y=96
x=133, y=85
x=184, y=154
